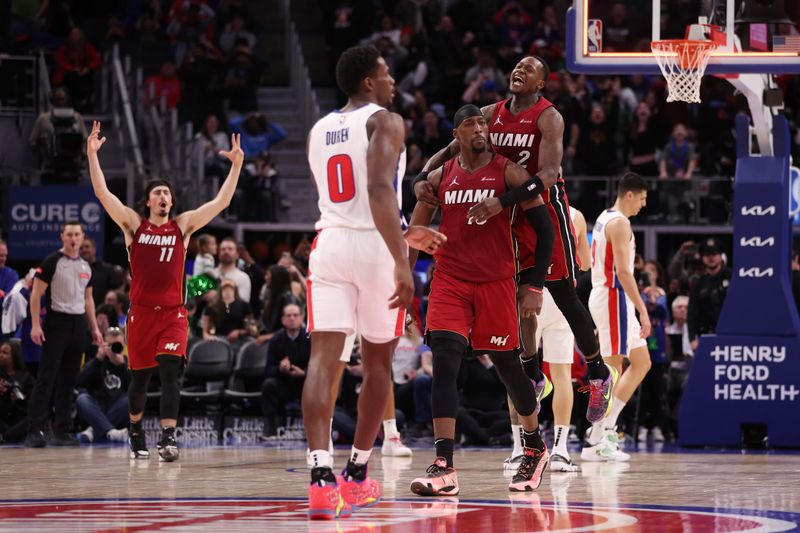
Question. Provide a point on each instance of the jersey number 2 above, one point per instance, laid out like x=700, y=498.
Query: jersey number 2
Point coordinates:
x=341, y=183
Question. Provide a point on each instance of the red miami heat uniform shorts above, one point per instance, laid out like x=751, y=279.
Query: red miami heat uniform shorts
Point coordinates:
x=485, y=314
x=154, y=331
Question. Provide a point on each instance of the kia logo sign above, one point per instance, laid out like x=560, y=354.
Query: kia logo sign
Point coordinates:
x=755, y=272
x=757, y=241
x=758, y=210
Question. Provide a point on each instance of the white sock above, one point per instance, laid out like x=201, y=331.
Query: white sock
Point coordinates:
x=321, y=458
x=598, y=431
x=390, y=429
x=561, y=434
x=516, y=434
x=360, y=457
x=616, y=409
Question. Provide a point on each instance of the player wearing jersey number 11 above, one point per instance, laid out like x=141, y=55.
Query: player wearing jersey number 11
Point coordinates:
x=157, y=322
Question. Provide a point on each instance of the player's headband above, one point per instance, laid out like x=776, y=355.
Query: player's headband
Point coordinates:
x=466, y=112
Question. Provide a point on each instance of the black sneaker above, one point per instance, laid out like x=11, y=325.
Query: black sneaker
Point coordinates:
x=138, y=445
x=35, y=440
x=64, y=439
x=168, y=446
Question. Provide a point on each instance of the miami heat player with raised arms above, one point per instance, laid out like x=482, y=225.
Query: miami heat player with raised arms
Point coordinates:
x=359, y=278
x=528, y=129
x=473, y=297
x=157, y=322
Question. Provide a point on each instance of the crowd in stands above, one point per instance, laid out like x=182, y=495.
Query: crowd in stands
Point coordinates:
x=198, y=56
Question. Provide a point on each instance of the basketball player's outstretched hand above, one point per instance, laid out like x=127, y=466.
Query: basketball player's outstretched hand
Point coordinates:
x=94, y=142
x=423, y=238
x=426, y=194
x=485, y=210
x=235, y=155
x=403, y=286
x=645, y=323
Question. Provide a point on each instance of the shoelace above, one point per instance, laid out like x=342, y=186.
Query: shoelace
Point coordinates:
x=526, y=466
x=595, y=394
x=436, y=469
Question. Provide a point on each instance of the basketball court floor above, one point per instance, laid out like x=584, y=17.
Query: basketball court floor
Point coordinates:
x=262, y=488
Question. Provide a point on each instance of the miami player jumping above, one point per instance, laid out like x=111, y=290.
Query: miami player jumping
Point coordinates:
x=157, y=323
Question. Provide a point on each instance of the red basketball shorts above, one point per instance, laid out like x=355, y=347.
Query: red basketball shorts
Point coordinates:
x=154, y=331
x=485, y=314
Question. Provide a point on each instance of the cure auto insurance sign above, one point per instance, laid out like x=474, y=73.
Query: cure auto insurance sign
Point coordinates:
x=35, y=216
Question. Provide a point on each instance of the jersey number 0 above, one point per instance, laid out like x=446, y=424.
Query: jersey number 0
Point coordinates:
x=341, y=183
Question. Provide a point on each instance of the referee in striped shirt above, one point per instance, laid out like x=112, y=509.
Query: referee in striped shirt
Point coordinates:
x=65, y=279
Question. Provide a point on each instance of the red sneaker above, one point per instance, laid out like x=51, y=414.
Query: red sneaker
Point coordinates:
x=440, y=481
x=359, y=494
x=325, y=502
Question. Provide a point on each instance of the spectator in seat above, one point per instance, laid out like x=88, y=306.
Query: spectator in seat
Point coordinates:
x=258, y=133
x=287, y=360
x=643, y=143
x=298, y=279
x=210, y=140
x=677, y=162
x=229, y=269
x=235, y=34
x=119, y=301
x=76, y=62
x=104, y=275
x=103, y=399
x=228, y=317
x=653, y=389
x=412, y=360
x=260, y=195
x=241, y=82
x=278, y=294
x=8, y=276
x=58, y=136
x=482, y=417
x=16, y=385
x=163, y=90
x=206, y=259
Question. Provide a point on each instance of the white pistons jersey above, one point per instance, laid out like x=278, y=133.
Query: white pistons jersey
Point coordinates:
x=337, y=155
x=604, y=273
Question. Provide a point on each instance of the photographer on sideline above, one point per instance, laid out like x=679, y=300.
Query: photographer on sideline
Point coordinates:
x=103, y=400
x=16, y=385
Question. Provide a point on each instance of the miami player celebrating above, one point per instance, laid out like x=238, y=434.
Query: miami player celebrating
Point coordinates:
x=157, y=322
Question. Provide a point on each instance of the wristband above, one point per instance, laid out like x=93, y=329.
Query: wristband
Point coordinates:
x=422, y=176
x=527, y=191
x=537, y=290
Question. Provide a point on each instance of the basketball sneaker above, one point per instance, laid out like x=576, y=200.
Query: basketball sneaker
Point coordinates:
x=562, y=463
x=325, y=501
x=612, y=437
x=543, y=389
x=359, y=493
x=168, y=446
x=394, y=447
x=600, y=395
x=138, y=445
x=529, y=473
x=441, y=480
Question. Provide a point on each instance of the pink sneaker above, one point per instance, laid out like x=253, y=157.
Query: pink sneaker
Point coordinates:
x=529, y=473
x=326, y=503
x=440, y=481
x=360, y=494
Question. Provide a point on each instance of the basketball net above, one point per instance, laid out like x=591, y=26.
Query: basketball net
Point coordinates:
x=683, y=63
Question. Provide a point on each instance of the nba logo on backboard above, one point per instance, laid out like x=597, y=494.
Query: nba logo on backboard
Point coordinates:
x=794, y=194
x=594, y=33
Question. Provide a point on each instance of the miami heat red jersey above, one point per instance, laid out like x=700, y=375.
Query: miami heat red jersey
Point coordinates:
x=157, y=258
x=474, y=252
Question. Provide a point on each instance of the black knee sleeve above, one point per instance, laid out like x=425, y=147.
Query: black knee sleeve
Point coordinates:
x=137, y=390
x=169, y=369
x=578, y=317
x=519, y=387
x=448, y=352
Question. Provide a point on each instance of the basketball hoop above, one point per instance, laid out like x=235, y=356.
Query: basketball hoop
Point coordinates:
x=682, y=62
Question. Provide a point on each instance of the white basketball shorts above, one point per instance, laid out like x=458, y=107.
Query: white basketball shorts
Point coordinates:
x=615, y=318
x=554, y=333
x=350, y=281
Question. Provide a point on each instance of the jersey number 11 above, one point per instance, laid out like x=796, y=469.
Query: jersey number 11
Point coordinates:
x=166, y=254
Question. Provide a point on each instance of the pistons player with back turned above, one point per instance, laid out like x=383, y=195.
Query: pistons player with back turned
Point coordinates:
x=473, y=297
x=157, y=322
x=528, y=129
